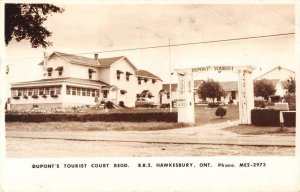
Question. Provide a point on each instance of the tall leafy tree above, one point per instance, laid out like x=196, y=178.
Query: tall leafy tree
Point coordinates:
x=210, y=89
x=291, y=85
x=264, y=88
x=25, y=21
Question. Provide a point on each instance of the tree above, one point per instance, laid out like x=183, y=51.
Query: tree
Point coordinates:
x=263, y=88
x=25, y=21
x=221, y=112
x=210, y=89
x=291, y=85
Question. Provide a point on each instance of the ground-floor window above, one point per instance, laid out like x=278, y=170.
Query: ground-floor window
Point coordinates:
x=93, y=93
x=82, y=91
x=233, y=95
x=36, y=91
x=105, y=92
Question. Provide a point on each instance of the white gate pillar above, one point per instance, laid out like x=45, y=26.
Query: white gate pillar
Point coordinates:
x=246, y=96
x=185, y=100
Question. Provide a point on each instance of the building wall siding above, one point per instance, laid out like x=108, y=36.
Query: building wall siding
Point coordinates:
x=104, y=75
x=81, y=72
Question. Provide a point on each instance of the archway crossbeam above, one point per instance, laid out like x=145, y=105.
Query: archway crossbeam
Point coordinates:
x=217, y=68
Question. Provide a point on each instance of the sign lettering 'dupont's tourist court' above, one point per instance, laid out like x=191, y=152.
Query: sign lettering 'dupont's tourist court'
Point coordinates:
x=213, y=68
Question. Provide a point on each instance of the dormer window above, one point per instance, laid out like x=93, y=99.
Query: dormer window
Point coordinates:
x=119, y=74
x=60, y=70
x=91, y=71
x=49, y=71
x=128, y=75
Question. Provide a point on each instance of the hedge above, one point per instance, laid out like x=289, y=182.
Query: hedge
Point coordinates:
x=270, y=117
x=111, y=117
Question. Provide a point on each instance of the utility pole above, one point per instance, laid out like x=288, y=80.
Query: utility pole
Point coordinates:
x=170, y=75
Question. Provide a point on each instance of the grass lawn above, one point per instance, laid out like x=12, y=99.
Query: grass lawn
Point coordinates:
x=204, y=115
x=253, y=130
x=92, y=126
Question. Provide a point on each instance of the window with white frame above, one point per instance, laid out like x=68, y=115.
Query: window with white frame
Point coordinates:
x=73, y=91
x=35, y=91
x=41, y=91
x=30, y=92
x=68, y=90
x=58, y=90
x=93, y=92
x=19, y=92
x=83, y=92
x=105, y=93
x=52, y=91
x=78, y=91
x=47, y=91
x=25, y=92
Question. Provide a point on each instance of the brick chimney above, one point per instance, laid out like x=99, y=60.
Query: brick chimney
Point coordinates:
x=96, y=56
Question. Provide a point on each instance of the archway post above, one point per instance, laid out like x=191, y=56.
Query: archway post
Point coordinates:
x=185, y=91
x=185, y=97
x=246, y=96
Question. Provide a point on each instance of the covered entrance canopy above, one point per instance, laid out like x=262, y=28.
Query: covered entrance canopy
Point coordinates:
x=185, y=100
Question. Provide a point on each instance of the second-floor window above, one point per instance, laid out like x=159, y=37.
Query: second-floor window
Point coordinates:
x=128, y=75
x=60, y=70
x=119, y=74
x=49, y=71
x=91, y=71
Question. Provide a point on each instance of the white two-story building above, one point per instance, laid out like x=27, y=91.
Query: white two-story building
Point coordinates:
x=71, y=80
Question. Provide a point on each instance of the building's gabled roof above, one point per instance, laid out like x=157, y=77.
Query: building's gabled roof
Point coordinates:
x=106, y=62
x=278, y=67
x=146, y=74
x=229, y=85
x=146, y=93
x=79, y=59
x=75, y=59
x=197, y=83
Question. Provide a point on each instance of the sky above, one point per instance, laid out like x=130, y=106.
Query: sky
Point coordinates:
x=83, y=29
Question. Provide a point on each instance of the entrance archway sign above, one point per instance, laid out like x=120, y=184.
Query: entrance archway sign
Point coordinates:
x=185, y=91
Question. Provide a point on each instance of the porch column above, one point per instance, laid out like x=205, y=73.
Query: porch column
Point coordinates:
x=63, y=94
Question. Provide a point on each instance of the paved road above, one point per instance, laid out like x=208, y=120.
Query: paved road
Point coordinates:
x=207, y=140
x=206, y=134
